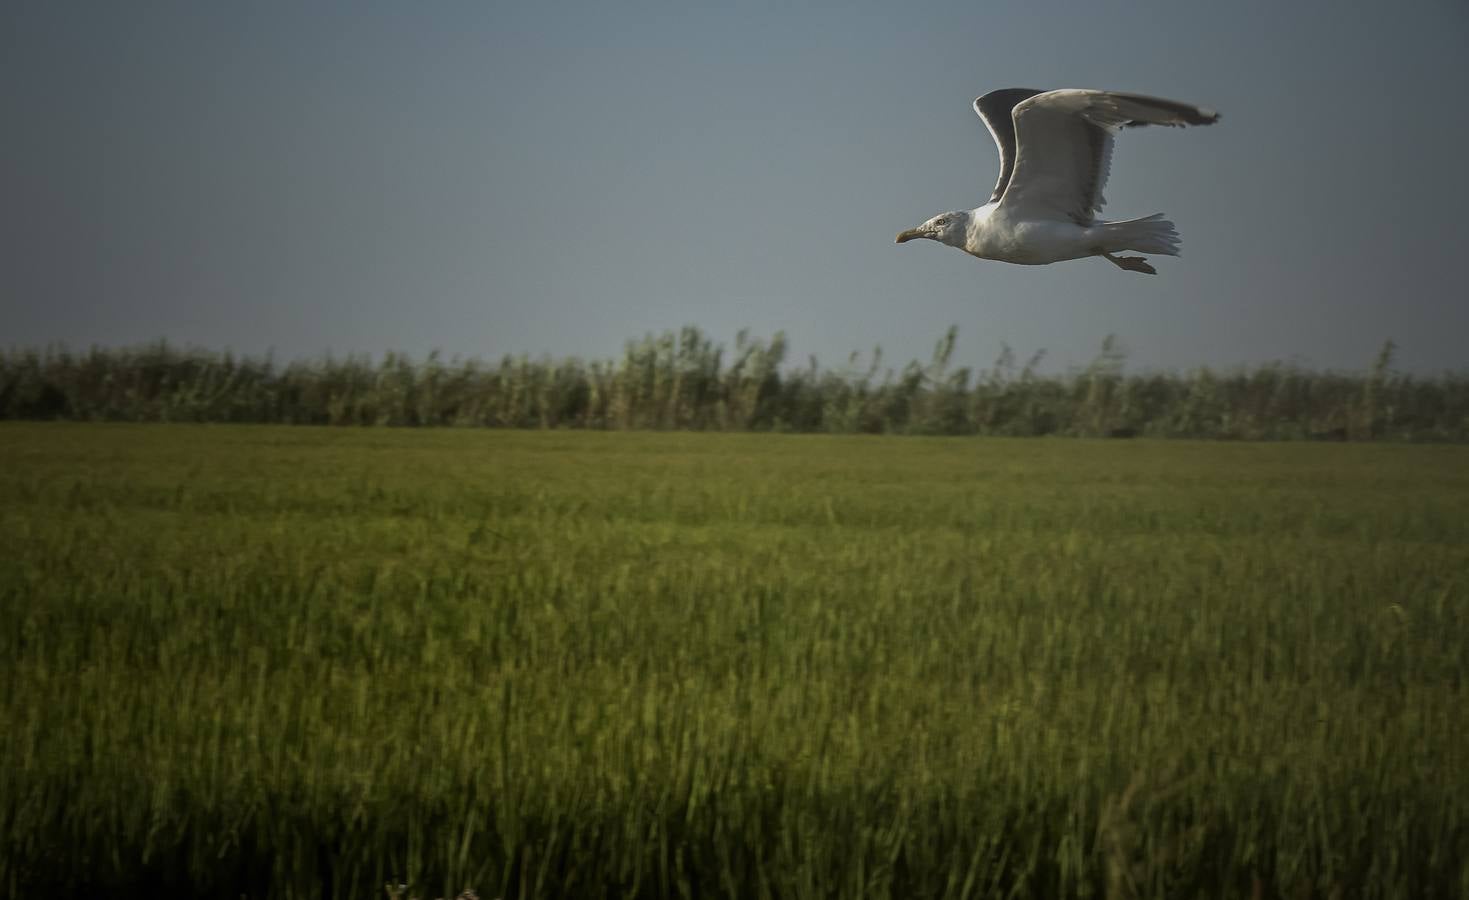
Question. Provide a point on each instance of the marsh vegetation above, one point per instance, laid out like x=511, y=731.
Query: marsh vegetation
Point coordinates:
x=687, y=381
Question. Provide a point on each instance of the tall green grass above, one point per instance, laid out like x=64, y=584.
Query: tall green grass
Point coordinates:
x=299, y=662
x=686, y=381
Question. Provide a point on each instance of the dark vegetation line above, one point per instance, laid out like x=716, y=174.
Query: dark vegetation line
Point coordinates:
x=687, y=381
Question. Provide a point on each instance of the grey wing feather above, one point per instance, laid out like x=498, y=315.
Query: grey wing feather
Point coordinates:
x=1100, y=146
x=995, y=108
x=1181, y=113
x=1063, y=142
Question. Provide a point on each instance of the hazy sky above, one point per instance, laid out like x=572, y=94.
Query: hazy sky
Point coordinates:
x=555, y=178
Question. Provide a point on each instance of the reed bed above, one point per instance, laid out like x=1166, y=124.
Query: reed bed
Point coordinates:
x=686, y=381
x=274, y=662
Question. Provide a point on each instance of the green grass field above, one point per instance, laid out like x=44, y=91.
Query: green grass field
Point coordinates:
x=268, y=661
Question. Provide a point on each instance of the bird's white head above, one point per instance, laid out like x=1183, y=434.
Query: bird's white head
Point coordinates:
x=946, y=228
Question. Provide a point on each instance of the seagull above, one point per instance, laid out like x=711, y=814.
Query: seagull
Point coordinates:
x=1055, y=151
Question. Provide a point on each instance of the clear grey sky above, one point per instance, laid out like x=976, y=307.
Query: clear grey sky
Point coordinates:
x=489, y=178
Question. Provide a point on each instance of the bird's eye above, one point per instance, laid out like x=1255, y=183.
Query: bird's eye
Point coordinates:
x=942, y=223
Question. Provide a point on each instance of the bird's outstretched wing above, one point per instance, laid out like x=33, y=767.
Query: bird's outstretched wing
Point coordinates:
x=1063, y=143
x=995, y=108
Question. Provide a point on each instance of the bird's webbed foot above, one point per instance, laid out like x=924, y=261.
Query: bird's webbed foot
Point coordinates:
x=1132, y=263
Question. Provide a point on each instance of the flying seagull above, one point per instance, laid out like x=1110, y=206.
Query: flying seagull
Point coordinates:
x=1055, y=151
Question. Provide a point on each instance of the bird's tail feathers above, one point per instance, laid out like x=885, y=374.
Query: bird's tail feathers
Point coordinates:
x=1150, y=234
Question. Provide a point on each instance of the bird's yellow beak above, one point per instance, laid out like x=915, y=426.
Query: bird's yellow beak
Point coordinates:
x=910, y=234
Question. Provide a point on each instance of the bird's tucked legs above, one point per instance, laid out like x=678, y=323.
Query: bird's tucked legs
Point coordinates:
x=1131, y=263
